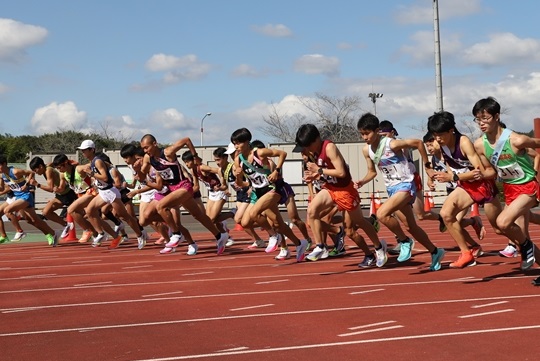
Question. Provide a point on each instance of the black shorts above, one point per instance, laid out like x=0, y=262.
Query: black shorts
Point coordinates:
x=242, y=195
x=67, y=198
x=124, y=195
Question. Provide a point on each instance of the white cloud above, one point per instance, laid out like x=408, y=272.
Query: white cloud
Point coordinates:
x=317, y=64
x=172, y=119
x=16, y=37
x=57, y=117
x=422, y=12
x=176, y=69
x=245, y=70
x=503, y=49
x=273, y=30
x=163, y=62
x=422, y=48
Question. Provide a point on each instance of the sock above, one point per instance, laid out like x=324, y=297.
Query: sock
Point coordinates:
x=110, y=216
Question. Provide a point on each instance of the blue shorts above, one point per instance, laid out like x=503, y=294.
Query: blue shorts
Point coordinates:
x=28, y=197
x=403, y=187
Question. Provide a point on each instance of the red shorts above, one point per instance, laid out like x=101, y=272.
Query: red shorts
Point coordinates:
x=512, y=191
x=481, y=191
x=185, y=184
x=417, y=182
x=346, y=198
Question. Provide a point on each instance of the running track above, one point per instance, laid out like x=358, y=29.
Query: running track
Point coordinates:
x=74, y=302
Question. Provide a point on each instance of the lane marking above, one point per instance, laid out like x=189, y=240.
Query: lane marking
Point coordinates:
x=38, y=276
x=487, y=313
x=268, y=282
x=370, y=330
x=92, y=284
x=371, y=324
x=141, y=266
x=87, y=261
x=367, y=291
x=489, y=304
x=197, y=273
x=343, y=343
x=251, y=307
x=234, y=349
x=163, y=294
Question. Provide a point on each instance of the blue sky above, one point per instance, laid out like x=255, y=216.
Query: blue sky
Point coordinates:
x=136, y=67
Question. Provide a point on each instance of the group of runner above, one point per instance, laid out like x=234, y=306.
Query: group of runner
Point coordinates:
x=96, y=190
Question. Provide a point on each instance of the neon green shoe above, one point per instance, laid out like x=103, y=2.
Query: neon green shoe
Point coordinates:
x=4, y=239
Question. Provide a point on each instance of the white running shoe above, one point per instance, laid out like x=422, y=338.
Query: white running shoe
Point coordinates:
x=221, y=243
x=284, y=254
x=167, y=250
x=192, y=249
x=229, y=243
x=382, y=254
x=176, y=239
x=510, y=251
x=257, y=244
x=317, y=254
x=141, y=240
x=273, y=243
x=67, y=228
x=301, y=250
x=18, y=236
x=119, y=228
x=98, y=239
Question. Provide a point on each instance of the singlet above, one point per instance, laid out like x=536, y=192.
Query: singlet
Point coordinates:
x=76, y=182
x=440, y=166
x=331, y=182
x=256, y=172
x=511, y=167
x=170, y=172
x=102, y=185
x=210, y=180
x=456, y=160
x=15, y=184
x=56, y=181
x=395, y=167
x=230, y=177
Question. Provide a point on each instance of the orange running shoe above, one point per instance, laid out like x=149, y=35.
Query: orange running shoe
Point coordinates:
x=466, y=259
x=115, y=242
x=85, y=236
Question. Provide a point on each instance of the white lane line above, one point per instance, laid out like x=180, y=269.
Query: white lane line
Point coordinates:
x=221, y=259
x=487, y=313
x=367, y=291
x=235, y=349
x=141, y=266
x=197, y=273
x=87, y=261
x=93, y=284
x=251, y=307
x=45, y=257
x=343, y=343
x=371, y=325
x=489, y=304
x=370, y=330
x=163, y=294
x=38, y=276
x=268, y=282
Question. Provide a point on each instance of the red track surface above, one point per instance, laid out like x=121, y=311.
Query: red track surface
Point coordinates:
x=74, y=302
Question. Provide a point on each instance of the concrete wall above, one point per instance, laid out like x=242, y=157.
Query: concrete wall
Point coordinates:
x=292, y=171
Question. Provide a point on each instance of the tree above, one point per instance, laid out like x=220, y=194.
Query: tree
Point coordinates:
x=335, y=117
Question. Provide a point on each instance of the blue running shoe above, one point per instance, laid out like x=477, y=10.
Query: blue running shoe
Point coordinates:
x=436, y=260
x=405, y=251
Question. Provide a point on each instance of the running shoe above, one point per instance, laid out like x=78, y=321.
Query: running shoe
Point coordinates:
x=396, y=250
x=381, y=254
x=336, y=253
x=119, y=228
x=436, y=259
x=115, y=242
x=85, y=237
x=124, y=239
x=192, y=249
x=405, y=251
x=479, y=227
x=273, y=243
x=257, y=244
x=509, y=251
x=141, y=240
x=67, y=228
x=221, y=243
x=284, y=254
x=318, y=253
x=98, y=239
x=301, y=250
x=18, y=236
x=527, y=255
x=536, y=281
x=368, y=261
x=4, y=239
x=229, y=243
x=340, y=239
x=225, y=228
x=52, y=239
x=167, y=250
x=159, y=241
x=477, y=251
x=466, y=259
x=176, y=239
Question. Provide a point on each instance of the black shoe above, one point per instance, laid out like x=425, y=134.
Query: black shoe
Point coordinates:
x=527, y=255
x=536, y=282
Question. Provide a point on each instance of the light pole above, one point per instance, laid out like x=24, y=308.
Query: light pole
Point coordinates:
x=438, y=67
x=202, y=129
x=374, y=97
